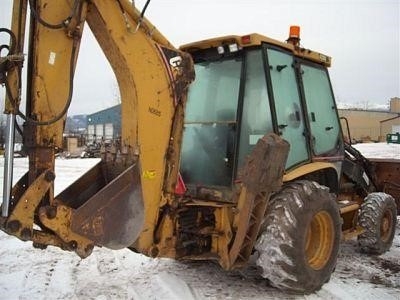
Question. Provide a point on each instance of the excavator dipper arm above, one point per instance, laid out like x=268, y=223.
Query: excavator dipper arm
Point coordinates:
x=116, y=203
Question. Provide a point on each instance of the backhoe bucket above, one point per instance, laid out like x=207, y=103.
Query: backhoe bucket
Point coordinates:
x=113, y=215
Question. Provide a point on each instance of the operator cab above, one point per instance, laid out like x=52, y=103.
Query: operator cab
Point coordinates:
x=246, y=87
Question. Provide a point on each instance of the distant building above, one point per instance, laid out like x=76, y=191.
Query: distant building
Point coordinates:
x=104, y=125
x=392, y=125
x=75, y=125
x=372, y=125
x=395, y=105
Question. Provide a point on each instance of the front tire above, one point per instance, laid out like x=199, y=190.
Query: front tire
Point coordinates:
x=300, y=238
x=378, y=218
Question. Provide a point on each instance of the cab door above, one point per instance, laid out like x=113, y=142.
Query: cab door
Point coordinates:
x=286, y=97
x=321, y=108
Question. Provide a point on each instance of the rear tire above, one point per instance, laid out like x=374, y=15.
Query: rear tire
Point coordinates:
x=300, y=238
x=378, y=218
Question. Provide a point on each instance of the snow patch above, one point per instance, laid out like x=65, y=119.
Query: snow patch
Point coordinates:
x=379, y=150
x=171, y=287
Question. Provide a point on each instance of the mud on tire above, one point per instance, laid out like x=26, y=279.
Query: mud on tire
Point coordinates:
x=378, y=218
x=300, y=237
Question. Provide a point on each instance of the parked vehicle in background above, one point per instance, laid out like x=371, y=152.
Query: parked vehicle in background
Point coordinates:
x=91, y=150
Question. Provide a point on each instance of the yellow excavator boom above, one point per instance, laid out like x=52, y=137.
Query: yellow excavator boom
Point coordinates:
x=153, y=78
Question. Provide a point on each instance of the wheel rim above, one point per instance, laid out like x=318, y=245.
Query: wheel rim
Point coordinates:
x=386, y=225
x=319, y=240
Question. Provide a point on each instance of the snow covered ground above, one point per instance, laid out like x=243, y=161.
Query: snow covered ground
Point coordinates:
x=28, y=273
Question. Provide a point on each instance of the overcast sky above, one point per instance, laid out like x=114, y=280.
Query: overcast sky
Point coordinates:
x=362, y=36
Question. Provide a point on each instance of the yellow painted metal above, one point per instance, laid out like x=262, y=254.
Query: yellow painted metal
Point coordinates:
x=165, y=238
x=51, y=57
x=386, y=225
x=352, y=233
x=147, y=99
x=255, y=39
x=152, y=76
x=18, y=28
x=349, y=208
x=245, y=206
x=43, y=239
x=307, y=169
x=152, y=122
x=20, y=221
x=221, y=240
x=319, y=240
x=145, y=25
x=59, y=220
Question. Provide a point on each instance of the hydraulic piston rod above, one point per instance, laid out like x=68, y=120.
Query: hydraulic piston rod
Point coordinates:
x=8, y=164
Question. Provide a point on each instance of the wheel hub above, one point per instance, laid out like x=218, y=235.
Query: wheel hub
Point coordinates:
x=386, y=225
x=319, y=240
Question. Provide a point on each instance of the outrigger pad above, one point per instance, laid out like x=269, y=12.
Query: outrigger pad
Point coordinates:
x=264, y=167
x=114, y=216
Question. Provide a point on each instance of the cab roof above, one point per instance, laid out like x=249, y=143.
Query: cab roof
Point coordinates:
x=255, y=39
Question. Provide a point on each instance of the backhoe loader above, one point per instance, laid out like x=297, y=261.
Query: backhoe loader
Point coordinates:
x=246, y=162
